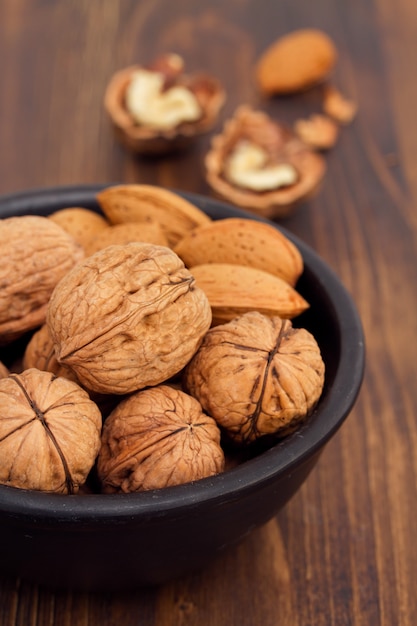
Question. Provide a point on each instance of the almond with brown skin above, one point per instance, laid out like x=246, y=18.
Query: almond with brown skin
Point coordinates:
x=233, y=290
x=243, y=241
x=121, y=234
x=79, y=222
x=142, y=203
x=296, y=61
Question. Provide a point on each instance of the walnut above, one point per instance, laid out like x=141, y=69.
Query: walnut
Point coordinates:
x=256, y=376
x=3, y=370
x=159, y=108
x=49, y=432
x=35, y=254
x=262, y=166
x=40, y=354
x=127, y=317
x=157, y=438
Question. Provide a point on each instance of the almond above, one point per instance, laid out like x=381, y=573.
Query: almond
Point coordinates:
x=296, y=61
x=121, y=234
x=79, y=222
x=242, y=241
x=233, y=290
x=142, y=203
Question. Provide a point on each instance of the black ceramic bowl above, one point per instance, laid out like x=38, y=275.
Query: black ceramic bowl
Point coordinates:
x=119, y=541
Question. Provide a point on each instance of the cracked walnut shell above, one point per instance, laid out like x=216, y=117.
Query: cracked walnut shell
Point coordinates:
x=127, y=317
x=156, y=438
x=256, y=376
x=49, y=432
x=258, y=164
x=158, y=108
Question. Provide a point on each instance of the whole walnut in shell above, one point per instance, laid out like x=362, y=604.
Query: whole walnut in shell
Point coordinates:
x=156, y=438
x=49, y=432
x=3, y=370
x=35, y=253
x=127, y=317
x=256, y=375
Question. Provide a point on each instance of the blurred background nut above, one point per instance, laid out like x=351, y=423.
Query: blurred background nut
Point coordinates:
x=159, y=108
x=49, y=432
x=283, y=167
x=317, y=131
x=156, y=438
x=296, y=61
x=35, y=254
x=127, y=317
x=256, y=375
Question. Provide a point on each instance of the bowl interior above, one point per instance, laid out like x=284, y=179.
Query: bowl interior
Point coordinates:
x=332, y=319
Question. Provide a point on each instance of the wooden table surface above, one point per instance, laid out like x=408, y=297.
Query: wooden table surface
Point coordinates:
x=344, y=550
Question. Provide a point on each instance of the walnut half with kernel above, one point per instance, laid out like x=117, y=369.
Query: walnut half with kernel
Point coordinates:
x=260, y=165
x=256, y=376
x=156, y=438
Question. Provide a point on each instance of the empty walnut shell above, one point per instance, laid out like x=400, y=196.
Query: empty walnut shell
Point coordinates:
x=156, y=438
x=281, y=147
x=49, y=432
x=256, y=376
x=35, y=254
x=143, y=139
x=127, y=317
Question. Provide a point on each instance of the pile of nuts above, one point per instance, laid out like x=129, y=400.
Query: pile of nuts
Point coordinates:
x=256, y=162
x=153, y=338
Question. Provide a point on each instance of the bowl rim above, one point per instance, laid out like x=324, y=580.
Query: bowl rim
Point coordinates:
x=234, y=482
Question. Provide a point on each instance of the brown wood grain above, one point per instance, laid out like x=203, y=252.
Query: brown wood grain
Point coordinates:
x=344, y=550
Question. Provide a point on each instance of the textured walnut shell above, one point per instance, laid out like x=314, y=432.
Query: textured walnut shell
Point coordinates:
x=127, y=317
x=256, y=376
x=144, y=140
x=35, y=254
x=49, y=432
x=296, y=61
x=125, y=204
x=40, y=354
x=243, y=242
x=157, y=438
x=3, y=370
x=281, y=145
